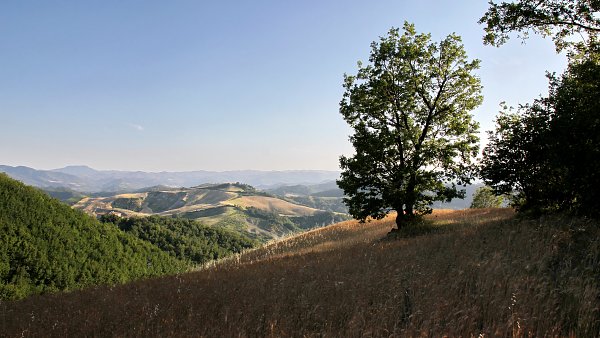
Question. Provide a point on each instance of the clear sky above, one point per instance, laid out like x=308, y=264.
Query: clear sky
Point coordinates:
x=221, y=85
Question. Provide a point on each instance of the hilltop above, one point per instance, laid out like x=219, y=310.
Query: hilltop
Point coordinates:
x=463, y=273
x=233, y=206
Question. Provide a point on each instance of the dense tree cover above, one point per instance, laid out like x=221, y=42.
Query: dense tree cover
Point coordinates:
x=484, y=197
x=560, y=19
x=47, y=246
x=64, y=194
x=270, y=221
x=414, y=135
x=133, y=204
x=549, y=151
x=182, y=238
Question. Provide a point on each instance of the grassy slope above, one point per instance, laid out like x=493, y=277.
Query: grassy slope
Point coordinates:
x=221, y=205
x=476, y=272
x=189, y=200
x=272, y=204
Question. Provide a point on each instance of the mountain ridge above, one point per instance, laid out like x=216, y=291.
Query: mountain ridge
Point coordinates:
x=86, y=179
x=234, y=206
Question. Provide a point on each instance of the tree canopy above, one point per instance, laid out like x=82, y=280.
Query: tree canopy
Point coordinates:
x=484, y=197
x=47, y=246
x=549, y=151
x=414, y=136
x=184, y=239
x=561, y=19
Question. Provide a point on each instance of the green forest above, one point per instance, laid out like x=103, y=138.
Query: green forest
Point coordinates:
x=184, y=239
x=47, y=246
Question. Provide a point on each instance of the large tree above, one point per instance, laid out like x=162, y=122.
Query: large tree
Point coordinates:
x=484, y=197
x=414, y=136
x=548, y=152
x=565, y=21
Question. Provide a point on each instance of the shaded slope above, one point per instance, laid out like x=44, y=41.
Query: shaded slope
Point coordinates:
x=47, y=246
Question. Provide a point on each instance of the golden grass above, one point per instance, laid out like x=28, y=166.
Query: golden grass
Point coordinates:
x=483, y=274
x=272, y=204
x=131, y=195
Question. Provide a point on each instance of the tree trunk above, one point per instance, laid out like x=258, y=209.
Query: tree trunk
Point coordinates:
x=409, y=210
x=410, y=198
x=400, y=218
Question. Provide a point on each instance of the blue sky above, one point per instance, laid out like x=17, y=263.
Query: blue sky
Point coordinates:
x=227, y=85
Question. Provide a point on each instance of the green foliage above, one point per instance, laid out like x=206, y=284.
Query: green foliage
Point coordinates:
x=133, y=204
x=64, y=194
x=413, y=131
x=549, y=151
x=210, y=212
x=484, y=197
x=185, y=239
x=270, y=221
x=238, y=221
x=160, y=201
x=47, y=246
x=561, y=19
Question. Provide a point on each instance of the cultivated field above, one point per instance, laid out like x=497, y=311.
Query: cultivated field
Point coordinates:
x=464, y=273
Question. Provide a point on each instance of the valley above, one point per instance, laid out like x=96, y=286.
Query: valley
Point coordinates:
x=234, y=206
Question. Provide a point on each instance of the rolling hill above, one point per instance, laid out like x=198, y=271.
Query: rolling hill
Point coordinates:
x=324, y=196
x=89, y=180
x=233, y=206
x=327, y=196
x=461, y=274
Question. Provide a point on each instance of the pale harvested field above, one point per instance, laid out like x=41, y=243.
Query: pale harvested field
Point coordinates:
x=273, y=205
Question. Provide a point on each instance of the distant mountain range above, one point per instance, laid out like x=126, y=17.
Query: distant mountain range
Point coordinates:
x=314, y=188
x=329, y=197
x=89, y=180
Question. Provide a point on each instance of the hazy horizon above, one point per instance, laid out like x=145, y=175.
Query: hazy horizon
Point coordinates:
x=185, y=86
x=168, y=171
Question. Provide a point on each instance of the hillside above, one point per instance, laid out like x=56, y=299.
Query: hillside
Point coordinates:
x=469, y=273
x=47, y=246
x=66, y=195
x=184, y=239
x=232, y=206
x=327, y=196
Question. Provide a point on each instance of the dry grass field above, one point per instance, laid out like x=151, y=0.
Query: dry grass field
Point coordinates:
x=272, y=204
x=471, y=273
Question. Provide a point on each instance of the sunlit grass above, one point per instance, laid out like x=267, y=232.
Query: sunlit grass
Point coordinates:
x=478, y=273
